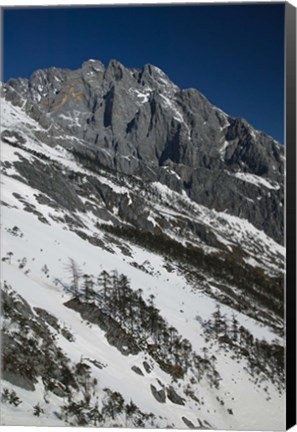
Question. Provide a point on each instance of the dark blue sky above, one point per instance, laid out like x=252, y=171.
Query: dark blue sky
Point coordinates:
x=234, y=54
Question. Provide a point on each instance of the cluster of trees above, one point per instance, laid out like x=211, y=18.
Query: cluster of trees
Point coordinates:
x=28, y=343
x=257, y=290
x=112, y=295
x=92, y=410
x=10, y=396
x=85, y=403
x=265, y=359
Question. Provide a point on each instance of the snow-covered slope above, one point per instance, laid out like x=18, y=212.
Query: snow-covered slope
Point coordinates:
x=211, y=356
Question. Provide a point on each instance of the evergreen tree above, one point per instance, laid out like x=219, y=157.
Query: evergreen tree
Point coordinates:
x=88, y=287
x=105, y=285
x=130, y=410
x=37, y=410
x=234, y=328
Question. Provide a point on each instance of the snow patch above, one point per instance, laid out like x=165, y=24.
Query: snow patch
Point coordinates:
x=256, y=180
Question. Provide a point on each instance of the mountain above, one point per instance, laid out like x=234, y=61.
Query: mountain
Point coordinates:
x=137, y=122
x=142, y=239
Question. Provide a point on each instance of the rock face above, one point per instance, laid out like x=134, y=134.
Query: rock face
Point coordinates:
x=22, y=358
x=121, y=246
x=159, y=395
x=174, y=397
x=137, y=122
x=115, y=335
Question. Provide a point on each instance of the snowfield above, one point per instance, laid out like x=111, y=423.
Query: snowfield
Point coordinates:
x=172, y=294
x=35, y=235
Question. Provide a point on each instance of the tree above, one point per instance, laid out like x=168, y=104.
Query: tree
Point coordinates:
x=104, y=283
x=177, y=344
x=114, y=403
x=123, y=288
x=217, y=319
x=45, y=269
x=10, y=254
x=37, y=410
x=151, y=300
x=82, y=372
x=213, y=360
x=95, y=415
x=75, y=274
x=130, y=410
x=114, y=297
x=234, y=328
x=186, y=349
x=172, y=333
x=10, y=397
x=88, y=287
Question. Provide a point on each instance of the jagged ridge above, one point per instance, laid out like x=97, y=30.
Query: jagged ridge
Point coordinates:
x=137, y=122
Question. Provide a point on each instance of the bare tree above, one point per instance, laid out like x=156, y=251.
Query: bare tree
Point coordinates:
x=75, y=274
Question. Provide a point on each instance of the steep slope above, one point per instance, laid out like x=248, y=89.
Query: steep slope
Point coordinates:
x=136, y=121
x=151, y=307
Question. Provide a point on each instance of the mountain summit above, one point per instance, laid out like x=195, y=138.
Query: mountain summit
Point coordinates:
x=142, y=260
x=137, y=122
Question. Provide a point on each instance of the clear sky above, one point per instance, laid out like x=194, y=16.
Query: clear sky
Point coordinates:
x=233, y=54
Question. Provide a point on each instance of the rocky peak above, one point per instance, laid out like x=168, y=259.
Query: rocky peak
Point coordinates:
x=93, y=65
x=135, y=121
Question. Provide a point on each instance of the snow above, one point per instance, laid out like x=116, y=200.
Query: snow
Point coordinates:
x=177, y=115
x=169, y=104
x=232, y=229
x=142, y=97
x=251, y=261
x=11, y=139
x=223, y=149
x=14, y=117
x=256, y=180
x=172, y=172
x=73, y=119
x=23, y=414
x=152, y=220
x=178, y=301
x=57, y=246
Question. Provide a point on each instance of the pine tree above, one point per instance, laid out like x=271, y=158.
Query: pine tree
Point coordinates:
x=95, y=415
x=234, y=328
x=10, y=254
x=123, y=290
x=130, y=410
x=104, y=284
x=88, y=287
x=217, y=319
x=37, y=410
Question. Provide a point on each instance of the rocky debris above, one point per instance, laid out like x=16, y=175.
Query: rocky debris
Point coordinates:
x=147, y=367
x=53, y=322
x=137, y=370
x=114, y=333
x=97, y=363
x=174, y=397
x=57, y=388
x=23, y=357
x=30, y=207
x=203, y=424
x=159, y=395
x=188, y=423
x=13, y=138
